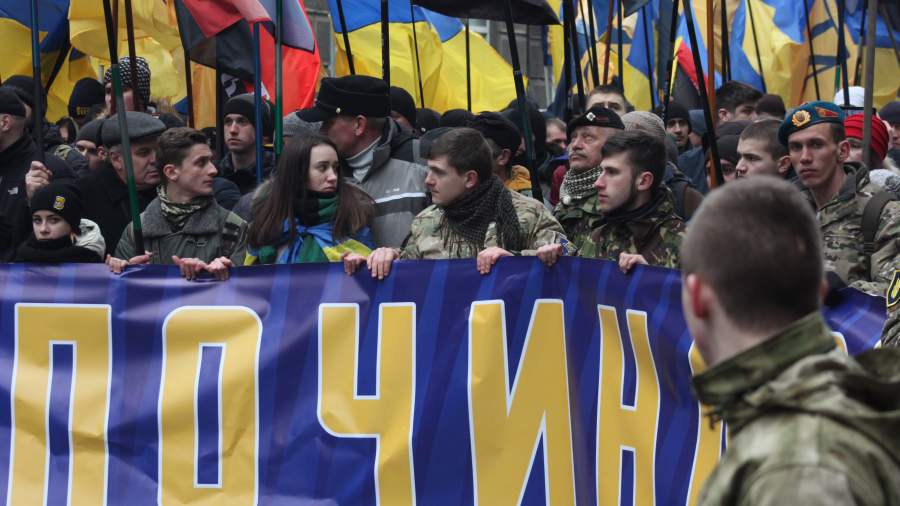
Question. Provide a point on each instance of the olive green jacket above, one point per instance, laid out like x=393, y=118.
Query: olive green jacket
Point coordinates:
x=808, y=424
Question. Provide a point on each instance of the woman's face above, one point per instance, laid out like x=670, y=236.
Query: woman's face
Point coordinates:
x=49, y=225
x=323, y=169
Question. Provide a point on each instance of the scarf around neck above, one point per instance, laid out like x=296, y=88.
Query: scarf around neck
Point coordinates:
x=470, y=216
x=578, y=186
x=177, y=213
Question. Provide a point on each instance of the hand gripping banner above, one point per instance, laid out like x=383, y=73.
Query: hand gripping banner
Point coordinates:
x=300, y=384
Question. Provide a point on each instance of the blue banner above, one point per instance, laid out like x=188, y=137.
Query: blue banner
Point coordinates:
x=290, y=384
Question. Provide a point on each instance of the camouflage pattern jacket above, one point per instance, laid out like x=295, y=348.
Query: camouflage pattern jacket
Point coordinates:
x=840, y=220
x=808, y=424
x=426, y=238
x=654, y=232
x=578, y=218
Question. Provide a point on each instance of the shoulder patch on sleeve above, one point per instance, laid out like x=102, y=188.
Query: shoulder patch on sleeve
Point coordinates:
x=893, y=291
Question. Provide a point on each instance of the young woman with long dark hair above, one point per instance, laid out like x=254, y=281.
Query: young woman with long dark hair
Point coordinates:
x=306, y=212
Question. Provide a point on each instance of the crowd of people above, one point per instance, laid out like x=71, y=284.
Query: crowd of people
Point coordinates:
x=366, y=178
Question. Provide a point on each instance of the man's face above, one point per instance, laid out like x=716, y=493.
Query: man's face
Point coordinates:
x=194, y=175
x=402, y=121
x=240, y=134
x=679, y=128
x=94, y=154
x=895, y=135
x=445, y=183
x=856, y=152
x=755, y=160
x=743, y=112
x=143, y=157
x=48, y=225
x=612, y=101
x=127, y=97
x=585, y=146
x=343, y=132
x=729, y=171
x=556, y=136
x=616, y=185
x=815, y=156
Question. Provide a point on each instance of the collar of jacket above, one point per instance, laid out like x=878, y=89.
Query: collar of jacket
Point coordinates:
x=114, y=187
x=226, y=164
x=857, y=177
x=202, y=222
x=724, y=384
x=641, y=222
x=22, y=147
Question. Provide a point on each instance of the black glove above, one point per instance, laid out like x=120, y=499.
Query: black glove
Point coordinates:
x=835, y=285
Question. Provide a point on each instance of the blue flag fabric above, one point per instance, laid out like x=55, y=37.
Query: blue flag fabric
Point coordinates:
x=300, y=383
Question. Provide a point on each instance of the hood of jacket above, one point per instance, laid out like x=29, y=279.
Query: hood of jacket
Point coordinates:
x=89, y=237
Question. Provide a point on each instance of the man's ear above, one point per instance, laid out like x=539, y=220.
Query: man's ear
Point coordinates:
x=471, y=179
x=699, y=297
x=843, y=150
x=101, y=152
x=360, y=127
x=504, y=157
x=170, y=172
x=784, y=165
x=644, y=181
x=723, y=114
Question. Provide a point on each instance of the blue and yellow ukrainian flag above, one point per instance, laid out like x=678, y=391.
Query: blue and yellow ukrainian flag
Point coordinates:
x=441, y=46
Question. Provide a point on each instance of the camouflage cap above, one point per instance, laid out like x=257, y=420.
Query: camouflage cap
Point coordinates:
x=807, y=115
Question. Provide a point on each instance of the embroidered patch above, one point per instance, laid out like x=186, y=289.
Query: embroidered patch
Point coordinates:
x=893, y=291
x=60, y=203
x=801, y=118
x=826, y=113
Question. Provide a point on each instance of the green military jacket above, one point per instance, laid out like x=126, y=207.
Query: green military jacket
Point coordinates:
x=808, y=424
x=655, y=233
x=840, y=221
x=209, y=233
x=578, y=218
x=535, y=221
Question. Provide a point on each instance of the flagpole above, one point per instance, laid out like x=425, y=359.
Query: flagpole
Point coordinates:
x=57, y=65
x=890, y=31
x=412, y=17
x=762, y=74
x=37, y=112
x=710, y=83
x=520, y=87
x=812, y=51
x=257, y=102
x=220, y=120
x=649, y=58
x=704, y=99
x=595, y=68
x=726, y=56
x=569, y=29
x=468, y=71
x=621, y=58
x=860, y=54
x=132, y=55
x=667, y=93
x=111, y=38
x=345, y=36
x=870, y=83
x=567, y=75
x=842, y=54
x=590, y=54
x=607, y=39
x=279, y=85
x=385, y=43
x=189, y=84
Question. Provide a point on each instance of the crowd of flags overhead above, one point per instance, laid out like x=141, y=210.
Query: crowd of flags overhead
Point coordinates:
x=428, y=50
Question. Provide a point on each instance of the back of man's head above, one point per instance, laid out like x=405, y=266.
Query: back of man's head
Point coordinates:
x=733, y=94
x=499, y=131
x=765, y=131
x=756, y=244
x=645, y=152
x=465, y=150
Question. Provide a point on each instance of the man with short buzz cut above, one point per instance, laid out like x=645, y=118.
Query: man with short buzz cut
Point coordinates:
x=679, y=126
x=19, y=154
x=473, y=216
x=840, y=192
x=736, y=101
x=503, y=138
x=611, y=97
x=239, y=163
x=638, y=224
x=760, y=152
x=184, y=225
x=578, y=209
x=807, y=423
x=376, y=154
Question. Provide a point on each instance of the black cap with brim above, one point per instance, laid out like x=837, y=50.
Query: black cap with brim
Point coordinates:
x=351, y=96
x=140, y=125
x=91, y=132
x=598, y=116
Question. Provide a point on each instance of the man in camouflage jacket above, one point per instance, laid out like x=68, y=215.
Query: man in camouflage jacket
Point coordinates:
x=807, y=424
x=578, y=210
x=814, y=135
x=473, y=214
x=639, y=224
